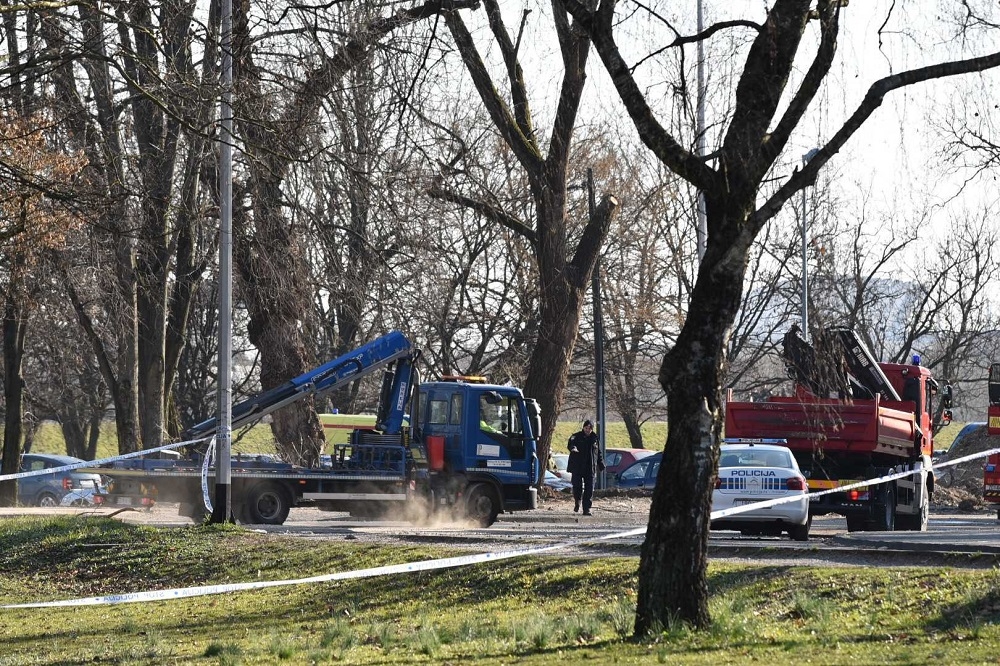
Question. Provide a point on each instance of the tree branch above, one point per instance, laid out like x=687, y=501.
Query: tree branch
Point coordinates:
x=523, y=145
x=488, y=211
x=759, y=91
x=829, y=26
x=594, y=233
x=518, y=92
x=683, y=162
x=872, y=101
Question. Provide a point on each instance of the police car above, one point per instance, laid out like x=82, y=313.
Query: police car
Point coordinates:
x=750, y=473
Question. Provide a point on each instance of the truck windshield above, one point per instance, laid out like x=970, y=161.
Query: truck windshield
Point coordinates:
x=500, y=418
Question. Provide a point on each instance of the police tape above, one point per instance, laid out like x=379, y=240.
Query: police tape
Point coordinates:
x=764, y=504
x=450, y=562
x=95, y=463
x=205, y=463
x=387, y=570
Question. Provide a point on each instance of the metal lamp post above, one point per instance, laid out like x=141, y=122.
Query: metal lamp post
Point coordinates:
x=805, y=270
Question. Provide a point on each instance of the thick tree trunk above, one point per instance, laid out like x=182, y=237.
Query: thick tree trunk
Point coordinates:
x=633, y=429
x=124, y=380
x=297, y=431
x=548, y=369
x=674, y=558
x=13, y=387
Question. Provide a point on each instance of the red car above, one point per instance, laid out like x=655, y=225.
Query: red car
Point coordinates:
x=615, y=460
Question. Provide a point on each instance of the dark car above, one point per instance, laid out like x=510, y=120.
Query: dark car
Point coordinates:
x=640, y=474
x=616, y=460
x=72, y=486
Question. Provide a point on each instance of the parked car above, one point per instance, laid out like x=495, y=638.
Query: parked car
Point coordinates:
x=561, y=460
x=616, y=460
x=557, y=483
x=750, y=473
x=71, y=487
x=641, y=473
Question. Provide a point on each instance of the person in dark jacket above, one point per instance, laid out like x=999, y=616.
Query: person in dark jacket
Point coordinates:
x=585, y=460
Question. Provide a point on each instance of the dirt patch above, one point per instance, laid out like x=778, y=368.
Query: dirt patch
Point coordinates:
x=961, y=485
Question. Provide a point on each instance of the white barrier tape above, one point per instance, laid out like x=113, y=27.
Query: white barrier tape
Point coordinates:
x=450, y=562
x=209, y=454
x=94, y=463
x=410, y=567
x=724, y=513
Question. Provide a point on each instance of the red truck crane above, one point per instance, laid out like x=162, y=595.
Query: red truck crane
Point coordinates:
x=853, y=418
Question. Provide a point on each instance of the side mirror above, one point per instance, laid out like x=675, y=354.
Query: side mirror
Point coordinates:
x=946, y=395
x=946, y=417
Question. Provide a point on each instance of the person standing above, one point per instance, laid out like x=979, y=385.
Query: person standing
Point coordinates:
x=585, y=460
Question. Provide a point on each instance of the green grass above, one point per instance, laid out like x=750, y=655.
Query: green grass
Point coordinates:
x=527, y=611
x=259, y=440
x=654, y=435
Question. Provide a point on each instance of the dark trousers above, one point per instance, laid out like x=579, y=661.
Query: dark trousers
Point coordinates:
x=583, y=488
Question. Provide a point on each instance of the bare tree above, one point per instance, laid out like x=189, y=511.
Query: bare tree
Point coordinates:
x=33, y=222
x=672, y=581
x=563, y=270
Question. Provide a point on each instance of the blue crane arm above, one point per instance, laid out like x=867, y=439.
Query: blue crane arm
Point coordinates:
x=327, y=377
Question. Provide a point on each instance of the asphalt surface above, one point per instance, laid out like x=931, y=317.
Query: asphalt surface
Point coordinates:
x=950, y=531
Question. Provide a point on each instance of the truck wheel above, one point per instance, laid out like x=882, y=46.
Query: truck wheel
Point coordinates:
x=916, y=522
x=482, y=505
x=267, y=504
x=856, y=523
x=885, y=508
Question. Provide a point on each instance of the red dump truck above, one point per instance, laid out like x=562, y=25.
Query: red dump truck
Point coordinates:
x=852, y=419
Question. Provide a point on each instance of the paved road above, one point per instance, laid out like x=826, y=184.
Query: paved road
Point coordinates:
x=950, y=532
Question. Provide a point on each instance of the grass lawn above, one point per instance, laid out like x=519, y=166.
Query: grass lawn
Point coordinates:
x=528, y=610
x=259, y=440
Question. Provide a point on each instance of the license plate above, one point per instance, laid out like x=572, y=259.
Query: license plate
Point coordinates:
x=123, y=501
x=744, y=502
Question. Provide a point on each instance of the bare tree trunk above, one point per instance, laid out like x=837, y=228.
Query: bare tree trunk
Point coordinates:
x=563, y=274
x=266, y=250
x=672, y=584
x=674, y=558
x=13, y=387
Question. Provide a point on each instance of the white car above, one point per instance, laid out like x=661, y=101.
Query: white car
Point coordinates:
x=561, y=461
x=557, y=483
x=750, y=473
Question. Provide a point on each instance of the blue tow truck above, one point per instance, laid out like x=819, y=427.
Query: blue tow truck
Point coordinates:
x=459, y=447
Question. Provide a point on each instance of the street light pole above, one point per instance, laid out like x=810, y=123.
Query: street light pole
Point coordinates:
x=700, y=135
x=222, y=506
x=595, y=283
x=805, y=270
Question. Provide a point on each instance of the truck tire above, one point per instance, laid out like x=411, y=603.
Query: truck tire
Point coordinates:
x=482, y=506
x=916, y=522
x=884, y=519
x=856, y=523
x=267, y=503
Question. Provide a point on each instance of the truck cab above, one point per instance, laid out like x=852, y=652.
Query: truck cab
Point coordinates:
x=487, y=439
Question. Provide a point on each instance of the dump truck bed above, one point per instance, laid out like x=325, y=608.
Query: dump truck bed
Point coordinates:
x=864, y=426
